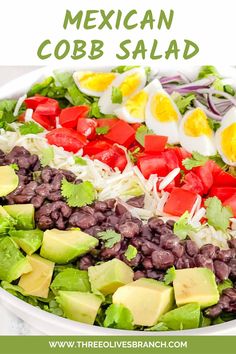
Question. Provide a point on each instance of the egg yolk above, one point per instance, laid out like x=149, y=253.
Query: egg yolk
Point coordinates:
x=228, y=142
x=130, y=84
x=162, y=108
x=136, y=105
x=96, y=81
x=197, y=124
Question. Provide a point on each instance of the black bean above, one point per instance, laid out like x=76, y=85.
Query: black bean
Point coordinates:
x=112, y=220
x=203, y=261
x=55, y=215
x=110, y=203
x=155, y=274
x=213, y=312
x=46, y=174
x=146, y=232
x=147, y=263
x=170, y=224
x=148, y=247
x=45, y=222
x=120, y=209
x=111, y=252
x=209, y=251
x=99, y=216
x=138, y=274
x=37, y=201
x=162, y=259
x=59, y=223
x=224, y=255
x=232, y=243
x=178, y=250
x=85, y=262
x=154, y=223
x=54, y=196
x=93, y=230
x=221, y=270
x=137, y=202
x=100, y=206
x=231, y=293
x=44, y=189
x=129, y=229
x=168, y=241
x=22, y=198
x=82, y=220
x=232, y=265
x=191, y=248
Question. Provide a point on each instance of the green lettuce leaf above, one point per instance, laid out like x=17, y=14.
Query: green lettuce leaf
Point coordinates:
x=118, y=316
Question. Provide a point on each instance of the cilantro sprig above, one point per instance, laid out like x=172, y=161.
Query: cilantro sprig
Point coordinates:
x=217, y=215
x=110, y=237
x=131, y=252
x=182, y=228
x=30, y=128
x=196, y=160
x=78, y=195
x=102, y=130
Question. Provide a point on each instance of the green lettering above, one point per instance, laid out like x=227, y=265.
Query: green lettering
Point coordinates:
x=96, y=48
x=125, y=50
x=105, y=19
x=153, y=56
x=147, y=19
x=140, y=49
x=188, y=45
x=163, y=18
x=127, y=18
x=173, y=49
x=79, y=46
x=41, y=48
x=89, y=18
x=70, y=20
x=59, y=48
x=118, y=19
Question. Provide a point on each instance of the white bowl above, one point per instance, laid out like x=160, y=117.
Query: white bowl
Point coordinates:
x=54, y=325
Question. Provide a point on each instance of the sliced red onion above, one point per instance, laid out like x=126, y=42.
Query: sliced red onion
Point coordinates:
x=220, y=93
x=209, y=113
x=194, y=86
x=211, y=105
x=180, y=78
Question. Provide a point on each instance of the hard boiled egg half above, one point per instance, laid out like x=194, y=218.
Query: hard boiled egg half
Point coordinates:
x=133, y=110
x=226, y=138
x=196, y=134
x=162, y=115
x=128, y=83
x=93, y=83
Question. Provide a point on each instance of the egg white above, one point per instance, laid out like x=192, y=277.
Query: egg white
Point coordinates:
x=78, y=75
x=123, y=113
x=105, y=101
x=203, y=144
x=229, y=118
x=169, y=129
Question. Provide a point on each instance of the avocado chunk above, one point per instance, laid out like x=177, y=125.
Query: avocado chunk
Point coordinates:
x=23, y=215
x=8, y=180
x=28, y=240
x=63, y=246
x=184, y=317
x=71, y=279
x=195, y=285
x=147, y=300
x=109, y=276
x=12, y=262
x=6, y=222
x=37, y=282
x=79, y=306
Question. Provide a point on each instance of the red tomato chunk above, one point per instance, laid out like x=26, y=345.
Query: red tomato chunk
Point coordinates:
x=155, y=143
x=121, y=133
x=69, y=139
x=179, y=201
x=69, y=116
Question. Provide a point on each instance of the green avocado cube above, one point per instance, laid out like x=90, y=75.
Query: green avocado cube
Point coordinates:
x=28, y=240
x=147, y=300
x=63, y=246
x=195, y=285
x=12, y=262
x=109, y=276
x=8, y=180
x=79, y=306
x=6, y=222
x=23, y=215
x=71, y=279
x=184, y=317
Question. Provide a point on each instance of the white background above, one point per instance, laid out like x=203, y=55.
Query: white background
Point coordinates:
x=24, y=24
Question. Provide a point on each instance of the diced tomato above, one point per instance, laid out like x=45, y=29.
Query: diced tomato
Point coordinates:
x=48, y=108
x=69, y=116
x=87, y=127
x=231, y=202
x=34, y=101
x=222, y=193
x=179, y=201
x=107, y=122
x=193, y=183
x=21, y=117
x=121, y=133
x=155, y=143
x=69, y=139
x=121, y=162
x=168, y=188
x=153, y=164
x=222, y=178
x=181, y=155
x=206, y=176
x=96, y=146
x=44, y=121
x=135, y=126
x=113, y=157
x=171, y=159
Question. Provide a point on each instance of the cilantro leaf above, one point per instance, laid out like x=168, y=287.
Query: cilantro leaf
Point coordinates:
x=133, y=155
x=141, y=132
x=14, y=166
x=182, y=226
x=169, y=276
x=7, y=105
x=102, y=130
x=214, y=124
x=78, y=195
x=217, y=215
x=227, y=283
x=110, y=237
x=116, y=96
x=131, y=252
x=30, y=128
x=183, y=102
x=208, y=70
x=47, y=156
x=80, y=161
x=118, y=316
x=195, y=161
x=95, y=110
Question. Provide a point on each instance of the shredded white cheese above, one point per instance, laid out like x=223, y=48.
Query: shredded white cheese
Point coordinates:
x=169, y=178
x=18, y=105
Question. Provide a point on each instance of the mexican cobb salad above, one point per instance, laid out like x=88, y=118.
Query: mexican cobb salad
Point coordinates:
x=118, y=187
